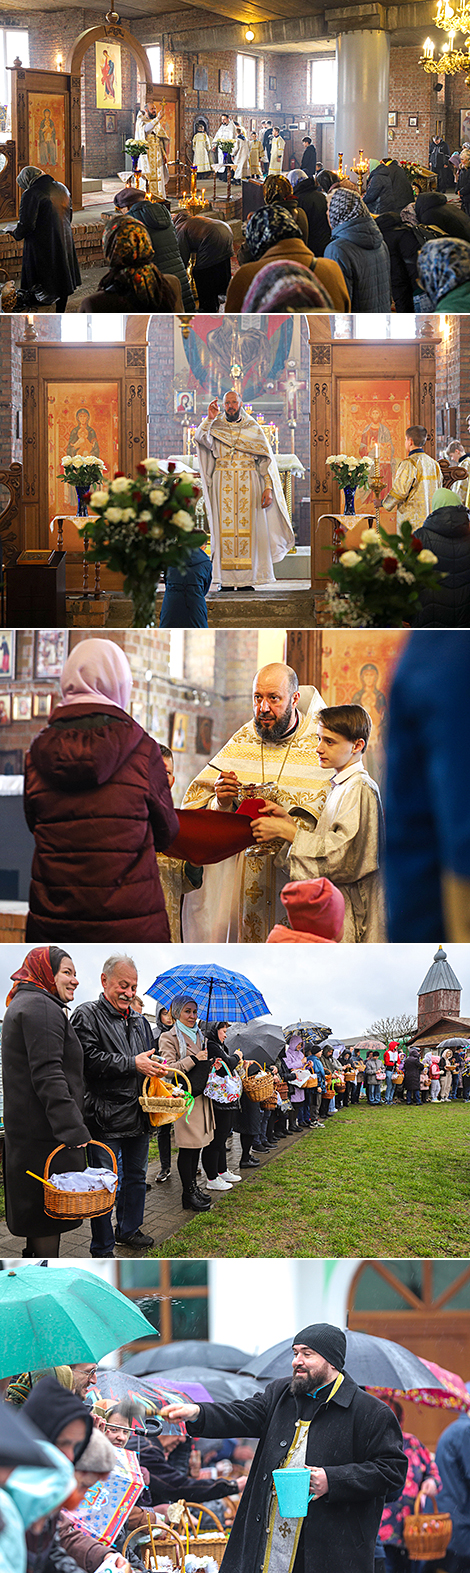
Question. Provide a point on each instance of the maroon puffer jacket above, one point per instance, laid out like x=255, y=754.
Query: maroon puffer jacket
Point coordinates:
x=98, y=801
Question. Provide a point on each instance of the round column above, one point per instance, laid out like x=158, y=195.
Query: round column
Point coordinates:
x=363, y=64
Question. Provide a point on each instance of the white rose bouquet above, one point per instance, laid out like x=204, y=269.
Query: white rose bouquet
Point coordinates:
x=143, y=526
x=83, y=471
x=350, y=471
x=379, y=585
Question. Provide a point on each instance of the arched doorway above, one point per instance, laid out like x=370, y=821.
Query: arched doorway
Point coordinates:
x=424, y=1305
x=118, y=33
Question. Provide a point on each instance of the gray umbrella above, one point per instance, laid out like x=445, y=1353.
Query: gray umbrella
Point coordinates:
x=257, y=1040
x=371, y=1361
x=309, y=1029
x=452, y=1043
x=190, y=1351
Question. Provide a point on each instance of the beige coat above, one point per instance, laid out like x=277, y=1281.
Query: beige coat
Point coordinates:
x=198, y=1131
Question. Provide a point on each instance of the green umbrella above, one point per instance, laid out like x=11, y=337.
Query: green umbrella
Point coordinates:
x=54, y=1316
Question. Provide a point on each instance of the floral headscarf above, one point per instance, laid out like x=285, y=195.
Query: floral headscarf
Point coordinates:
x=442, y=266
x=286, y=286
x=128, y=248
x=277, y=189
x=37, y=968
x=269, y=225
x=344, y=205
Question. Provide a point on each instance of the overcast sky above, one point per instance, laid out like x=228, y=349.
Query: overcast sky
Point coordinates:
x=346, y=987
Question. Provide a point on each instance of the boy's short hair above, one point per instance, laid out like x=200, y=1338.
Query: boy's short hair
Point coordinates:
x=350, y=721
x=418, y=435
x=166, y=752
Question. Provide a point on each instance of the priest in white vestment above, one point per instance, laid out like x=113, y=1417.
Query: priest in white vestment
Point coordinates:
x=276, y=157
x=247, y=512
x=226, y=132
x=274, y=756
x=154, y=163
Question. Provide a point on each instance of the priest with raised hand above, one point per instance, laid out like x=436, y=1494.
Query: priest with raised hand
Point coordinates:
x=273, y=756
x=248, y=515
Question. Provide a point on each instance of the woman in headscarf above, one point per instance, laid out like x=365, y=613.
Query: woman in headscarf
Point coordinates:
x=98, y=802
x=311, y=200
x=286, y=286
x=67, y=1424
x=273, y=235
x=133, y=282
x=357, y=246
x=444, y=272
x=47, y=273
x=35, y=1479
x=43, y=1093
x=184, y=1047
x=277, y=188
x=446, y=532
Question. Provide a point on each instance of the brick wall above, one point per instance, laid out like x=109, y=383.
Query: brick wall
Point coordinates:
x=219, y=664
x=452, y=385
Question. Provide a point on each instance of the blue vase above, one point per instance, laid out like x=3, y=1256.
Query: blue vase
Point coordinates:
x=82, y=510
x=349, y=495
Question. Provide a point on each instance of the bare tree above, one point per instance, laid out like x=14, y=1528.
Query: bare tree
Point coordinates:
x=391, y=1028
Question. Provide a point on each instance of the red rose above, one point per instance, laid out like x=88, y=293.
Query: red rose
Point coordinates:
x=416, y=546
x=389, y=564
x=171, y=467
x=141, y=470
x=87, y=495
x=137, y=497
x=143, y=528
x=167, y=513
x=118, y=474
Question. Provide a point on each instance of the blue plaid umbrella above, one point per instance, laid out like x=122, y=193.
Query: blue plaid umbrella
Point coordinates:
x=220, y=995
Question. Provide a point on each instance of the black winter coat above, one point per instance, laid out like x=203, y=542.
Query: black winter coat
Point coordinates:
x=412, y=1072
x=463, y=188
x=166, y=251
x=309, y=159
x=45, y=263
x=388, y=188
x=447, y=533
x=355, y=1438
x=432, y=208
x=403, y=245
x=314, y=205
x=43, y=1104
x=110, y=1043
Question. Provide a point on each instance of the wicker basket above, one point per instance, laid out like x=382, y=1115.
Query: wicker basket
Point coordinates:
x=349, y=1075
x=76, y=1204
x=426, y=1535
x=270, y=1103
x=257, y=1088
x=167, y=1107
x=312, y=1082
x=202, y=1542
x=169, y=1545
x=398, y=1078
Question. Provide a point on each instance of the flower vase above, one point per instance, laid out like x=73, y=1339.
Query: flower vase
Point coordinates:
x=143, y=600
x=349, y=495
x=227, y=156
x=82, y=493
x=135, y=159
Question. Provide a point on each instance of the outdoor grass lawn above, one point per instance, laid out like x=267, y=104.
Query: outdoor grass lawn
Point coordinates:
x=375, y=1182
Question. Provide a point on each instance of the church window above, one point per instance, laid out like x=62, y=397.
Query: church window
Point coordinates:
x=321, y=81
x=13, y=41
x=99, y=328
x=155, y=59
x=246, y=81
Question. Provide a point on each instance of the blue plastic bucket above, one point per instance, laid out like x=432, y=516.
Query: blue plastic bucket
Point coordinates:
x=292, y=1490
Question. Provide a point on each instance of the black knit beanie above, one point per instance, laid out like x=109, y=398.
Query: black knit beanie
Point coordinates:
x=330, y=1342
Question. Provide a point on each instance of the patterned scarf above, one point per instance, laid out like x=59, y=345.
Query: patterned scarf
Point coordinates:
x=267, y=226
x=128, y=248
x=344, y=205
x=442, y=266
x=36, y=968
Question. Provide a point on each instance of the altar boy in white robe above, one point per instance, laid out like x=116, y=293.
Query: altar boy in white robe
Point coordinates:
x=346, y=844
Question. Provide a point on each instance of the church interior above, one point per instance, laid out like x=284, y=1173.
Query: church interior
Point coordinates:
x=361, y=82
x=191, y=690
x=136, y=385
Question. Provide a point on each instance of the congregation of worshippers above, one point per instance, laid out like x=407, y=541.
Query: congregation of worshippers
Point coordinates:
x=235, y=195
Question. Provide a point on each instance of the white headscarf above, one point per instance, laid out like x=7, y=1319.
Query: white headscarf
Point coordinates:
x=96, y=670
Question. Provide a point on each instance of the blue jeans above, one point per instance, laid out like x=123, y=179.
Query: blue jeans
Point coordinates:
x=131, y=1153
x=413, y=1094
x=455, y=1083
x=376, y=1093
x=389, y=1086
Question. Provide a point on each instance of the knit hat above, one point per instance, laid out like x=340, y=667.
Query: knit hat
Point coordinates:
x=344, y=205
x=330, y=1342
x=286, y=286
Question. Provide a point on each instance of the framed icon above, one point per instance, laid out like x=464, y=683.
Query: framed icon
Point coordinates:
x=50, y=652
x=22, y=707
x=42, y=705
x=7, y=654
x=393, y=117
x=5, y=709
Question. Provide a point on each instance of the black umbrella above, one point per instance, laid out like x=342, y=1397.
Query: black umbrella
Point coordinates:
x=371, y=1361
x=223, y=1386
x=452, y=1043
x=314, y=1030
x=190, y=1351
x=257, y=1040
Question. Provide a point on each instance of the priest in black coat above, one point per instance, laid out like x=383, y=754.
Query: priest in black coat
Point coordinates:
x=351, y=1443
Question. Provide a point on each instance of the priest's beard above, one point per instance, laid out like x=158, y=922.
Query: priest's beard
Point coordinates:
x=284, y=723
x=233, y=415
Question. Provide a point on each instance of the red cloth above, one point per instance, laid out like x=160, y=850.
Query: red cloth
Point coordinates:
x=98, y=802
x=206, y=837
x=315, y=909
x=36, y=968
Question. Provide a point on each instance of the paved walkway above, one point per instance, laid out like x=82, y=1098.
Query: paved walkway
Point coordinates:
x=164, y=1215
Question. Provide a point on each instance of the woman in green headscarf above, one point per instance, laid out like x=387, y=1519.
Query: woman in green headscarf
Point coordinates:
x=446, y=533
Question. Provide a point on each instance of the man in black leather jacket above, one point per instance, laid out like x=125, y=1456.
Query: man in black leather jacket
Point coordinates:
x=116, y=1058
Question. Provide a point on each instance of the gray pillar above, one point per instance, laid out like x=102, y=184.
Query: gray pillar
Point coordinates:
x=363, y=61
